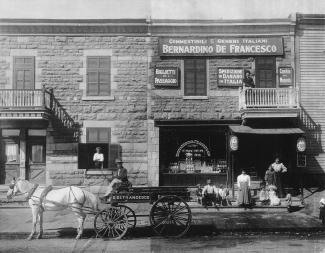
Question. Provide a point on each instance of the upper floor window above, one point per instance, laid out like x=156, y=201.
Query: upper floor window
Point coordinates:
x=98, y=75
x=195, y=80
x=24, y=72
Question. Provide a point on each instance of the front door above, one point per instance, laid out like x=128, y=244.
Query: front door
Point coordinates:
x=265, y=76
x=9, y=159
x=36, y=163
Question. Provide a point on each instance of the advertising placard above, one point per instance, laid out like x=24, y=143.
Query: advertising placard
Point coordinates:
x=230, y=76
x=166, y=77
x=285, y=76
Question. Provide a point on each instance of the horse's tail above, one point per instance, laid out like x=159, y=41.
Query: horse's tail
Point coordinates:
x=92, y=200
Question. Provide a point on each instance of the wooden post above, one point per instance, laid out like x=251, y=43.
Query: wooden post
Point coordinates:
x=232, y=173
x=23, y=153
x=51, y=98
x=43, y=96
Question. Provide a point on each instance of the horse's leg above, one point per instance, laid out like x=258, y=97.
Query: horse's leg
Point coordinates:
x=81, y=219
x=34, y=214
x=40, y=215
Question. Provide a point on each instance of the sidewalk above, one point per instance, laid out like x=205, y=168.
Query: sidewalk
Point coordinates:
x=17, y=223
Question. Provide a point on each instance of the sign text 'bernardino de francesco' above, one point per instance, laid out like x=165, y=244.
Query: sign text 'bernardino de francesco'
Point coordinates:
x=220, y=46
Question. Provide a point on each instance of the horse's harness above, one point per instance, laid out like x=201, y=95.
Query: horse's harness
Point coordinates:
x=43, y=194
x=31, y=192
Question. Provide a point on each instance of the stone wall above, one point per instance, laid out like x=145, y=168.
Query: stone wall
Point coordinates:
x=61, y=65
x=221, y=102
x=134, y=103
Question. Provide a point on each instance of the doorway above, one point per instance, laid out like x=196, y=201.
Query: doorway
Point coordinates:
x=265, y=68
x=36, y=159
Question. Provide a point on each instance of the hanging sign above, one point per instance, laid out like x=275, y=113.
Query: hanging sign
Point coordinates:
x=285, y=76
x=220, y=46
x=301, y=144
x=166, y=77
x=233, y=143
x=230, y=76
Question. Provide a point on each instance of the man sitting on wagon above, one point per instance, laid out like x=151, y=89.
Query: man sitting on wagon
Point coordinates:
x=121, y=178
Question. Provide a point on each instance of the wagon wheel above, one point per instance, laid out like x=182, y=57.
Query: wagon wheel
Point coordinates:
x=111, y=222
x=132, y=219
x=170, y=216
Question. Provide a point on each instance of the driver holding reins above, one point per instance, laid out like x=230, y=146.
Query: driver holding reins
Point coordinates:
x=120, y=177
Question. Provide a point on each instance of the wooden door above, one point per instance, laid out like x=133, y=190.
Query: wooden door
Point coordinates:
x=9, y=160
x=265, y=69
x=36, y=159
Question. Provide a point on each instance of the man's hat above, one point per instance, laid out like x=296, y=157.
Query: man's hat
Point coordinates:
x=118, y=160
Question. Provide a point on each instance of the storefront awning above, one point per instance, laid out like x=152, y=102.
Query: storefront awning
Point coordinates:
x=248, y=130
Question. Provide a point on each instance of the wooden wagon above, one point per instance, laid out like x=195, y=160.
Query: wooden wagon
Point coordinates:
x=170, y=215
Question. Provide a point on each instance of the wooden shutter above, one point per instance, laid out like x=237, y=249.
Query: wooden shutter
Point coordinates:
x=98, y=75
x=24, y=72
x=114, y=152
x=195, y=77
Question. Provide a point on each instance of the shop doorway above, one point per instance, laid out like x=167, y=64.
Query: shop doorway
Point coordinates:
x=257, y=152
x=265, y=72
x=36, y=159
x=9, y=159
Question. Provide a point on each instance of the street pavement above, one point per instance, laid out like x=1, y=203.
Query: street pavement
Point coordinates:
x=206, y=244
x=17, y=223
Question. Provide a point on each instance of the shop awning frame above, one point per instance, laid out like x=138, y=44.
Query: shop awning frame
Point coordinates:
x=240, y=129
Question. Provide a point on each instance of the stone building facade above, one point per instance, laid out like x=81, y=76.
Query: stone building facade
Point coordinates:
x=73, y=111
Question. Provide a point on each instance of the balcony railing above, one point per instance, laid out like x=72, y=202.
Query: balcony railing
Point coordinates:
x=32, y=100
x=268, y=98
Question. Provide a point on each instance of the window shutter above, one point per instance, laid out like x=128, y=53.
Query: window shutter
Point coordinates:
x=83, y=156
x=24, y=72
x=114, y=152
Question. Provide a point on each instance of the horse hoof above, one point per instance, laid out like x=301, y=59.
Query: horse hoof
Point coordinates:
x=39, y=237
x=78, y=237
x=29, y=238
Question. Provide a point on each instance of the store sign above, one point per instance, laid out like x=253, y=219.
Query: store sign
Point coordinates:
x=193, y=149
x=301, y=144
x=285, y=76
x=219, y=46
x=230, y=76
x=233, y=143
x=166, y=77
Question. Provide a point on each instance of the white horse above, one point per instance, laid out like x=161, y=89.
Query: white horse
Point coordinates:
x=77, y=200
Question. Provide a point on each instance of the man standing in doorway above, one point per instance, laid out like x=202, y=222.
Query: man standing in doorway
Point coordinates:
x=98, y=158
x=279, y=169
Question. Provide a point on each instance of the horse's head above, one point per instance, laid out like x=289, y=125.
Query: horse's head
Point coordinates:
x=13, y=189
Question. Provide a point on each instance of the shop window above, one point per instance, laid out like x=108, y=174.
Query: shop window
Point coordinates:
x=12, y=152
x=97, y=138
x=265, y=72
x=24, y=72
x=98, y=75
x=195, y=81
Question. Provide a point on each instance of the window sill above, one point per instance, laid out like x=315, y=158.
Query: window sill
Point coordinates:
x=196, y=97
x=92, y=98
x=99, y=172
